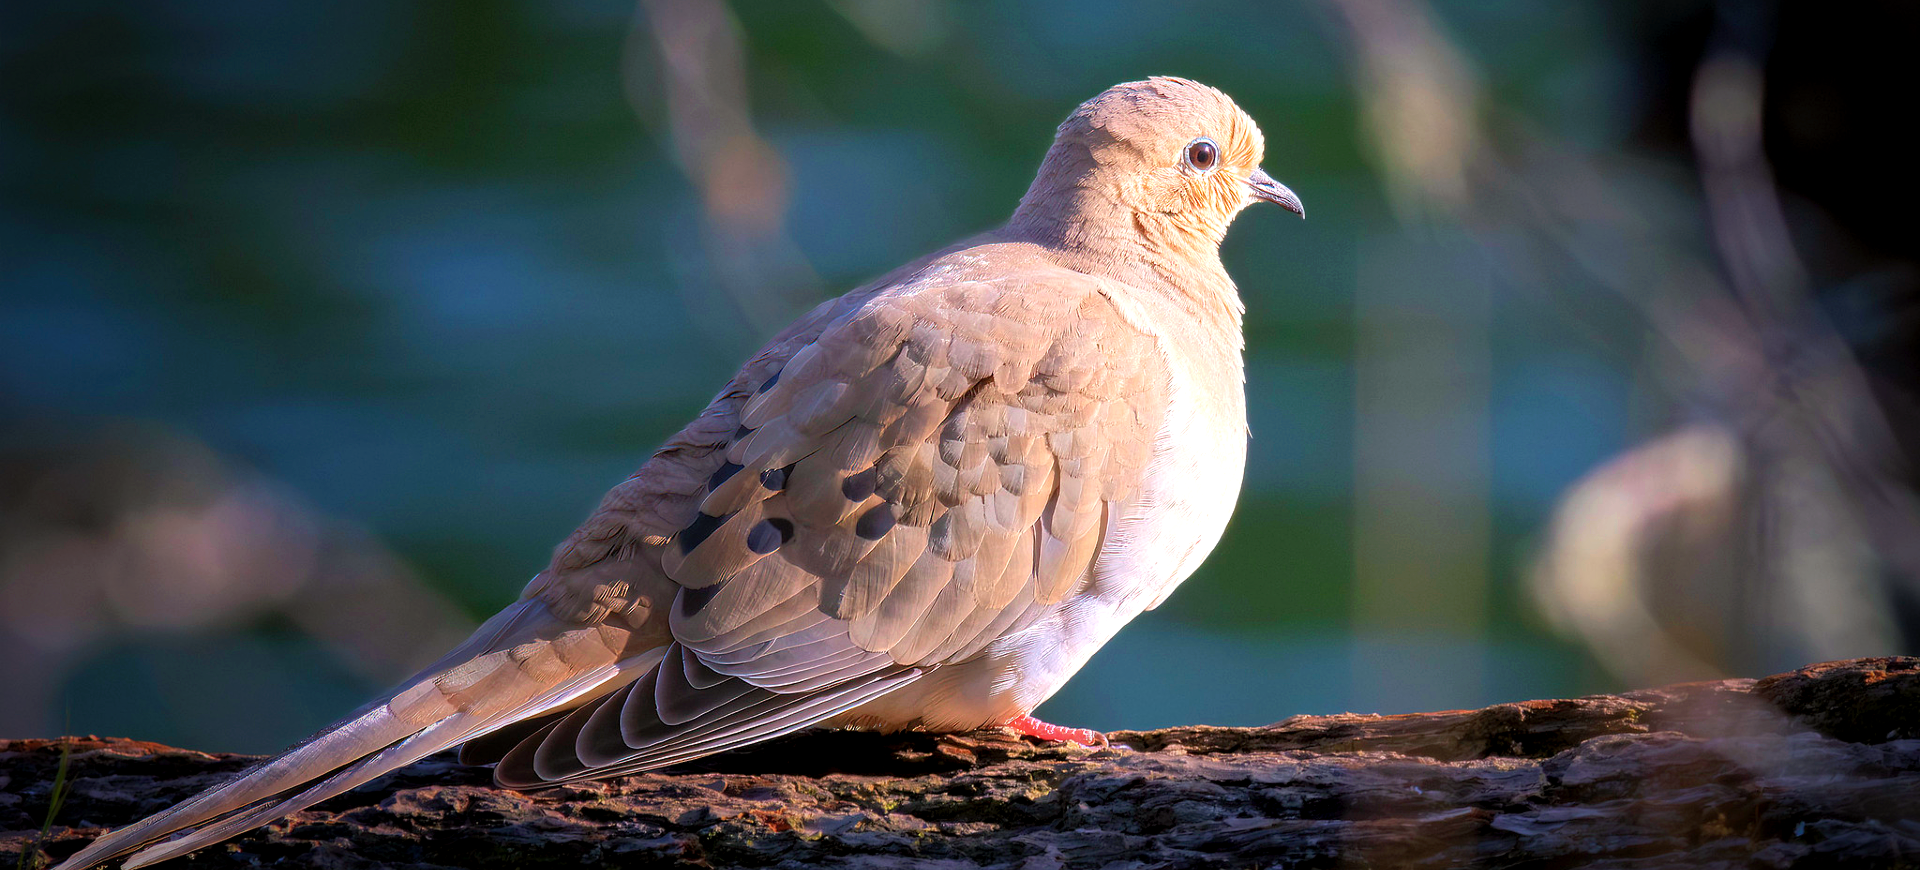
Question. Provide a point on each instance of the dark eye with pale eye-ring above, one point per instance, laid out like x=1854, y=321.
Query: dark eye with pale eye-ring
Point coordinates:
x=1202, y=154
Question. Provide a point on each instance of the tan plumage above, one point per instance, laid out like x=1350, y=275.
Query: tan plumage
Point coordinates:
x=925, y=504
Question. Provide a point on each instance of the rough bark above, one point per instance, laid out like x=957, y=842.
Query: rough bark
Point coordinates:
x=1819, y=767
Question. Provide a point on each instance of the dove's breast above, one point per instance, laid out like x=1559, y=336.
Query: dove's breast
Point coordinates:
x=1155, y=541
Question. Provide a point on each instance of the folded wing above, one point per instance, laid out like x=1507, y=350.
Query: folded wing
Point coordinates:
x=931, y=472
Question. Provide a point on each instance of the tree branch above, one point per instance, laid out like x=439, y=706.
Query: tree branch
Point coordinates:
x=1817, y=767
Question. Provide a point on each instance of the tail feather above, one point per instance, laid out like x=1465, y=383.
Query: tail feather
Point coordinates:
x=434, y=738
x=521, y=664
x=316, y=757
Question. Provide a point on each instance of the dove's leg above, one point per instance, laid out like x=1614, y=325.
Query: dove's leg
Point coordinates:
x=1047, y=731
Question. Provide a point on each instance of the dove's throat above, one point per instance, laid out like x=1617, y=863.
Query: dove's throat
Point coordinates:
x=1090, y=230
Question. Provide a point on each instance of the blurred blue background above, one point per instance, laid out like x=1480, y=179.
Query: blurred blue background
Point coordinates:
x=323, y=323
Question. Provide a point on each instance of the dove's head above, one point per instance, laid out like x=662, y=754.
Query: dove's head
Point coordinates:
x=1168, y=159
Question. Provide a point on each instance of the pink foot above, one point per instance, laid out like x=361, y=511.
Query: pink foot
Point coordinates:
x=1035, y=728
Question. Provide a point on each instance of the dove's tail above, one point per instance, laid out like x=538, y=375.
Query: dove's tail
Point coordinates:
x=522, y=663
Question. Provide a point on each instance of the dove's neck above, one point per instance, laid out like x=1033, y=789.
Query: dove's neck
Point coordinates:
x=1090, y=230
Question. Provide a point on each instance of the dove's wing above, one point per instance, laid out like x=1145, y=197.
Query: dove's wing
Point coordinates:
x=929, y=472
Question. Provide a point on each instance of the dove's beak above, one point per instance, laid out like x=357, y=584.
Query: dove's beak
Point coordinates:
x=1264, y=187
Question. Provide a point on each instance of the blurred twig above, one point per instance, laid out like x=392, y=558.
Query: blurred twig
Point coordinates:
x=1420, y=100
x=1812, y=372
x=139, y=530
x=691, y=53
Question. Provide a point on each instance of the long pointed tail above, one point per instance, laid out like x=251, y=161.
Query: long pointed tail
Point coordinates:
x=520, y=664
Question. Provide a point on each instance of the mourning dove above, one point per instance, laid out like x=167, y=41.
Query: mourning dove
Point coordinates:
x=922, y=506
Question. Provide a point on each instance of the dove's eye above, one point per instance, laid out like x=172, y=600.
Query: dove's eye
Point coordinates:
x=1202, y=154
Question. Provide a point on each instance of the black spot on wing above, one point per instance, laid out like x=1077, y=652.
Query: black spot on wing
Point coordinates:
x=775, y=478
x=698, y=531
x=857, y=487
x=719, y=477
x=769, y=535
x=741, y=432
x=876, y=522
x=770, y=381
x=692, y=601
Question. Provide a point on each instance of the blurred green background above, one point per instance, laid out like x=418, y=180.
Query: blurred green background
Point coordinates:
x=323, y=323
